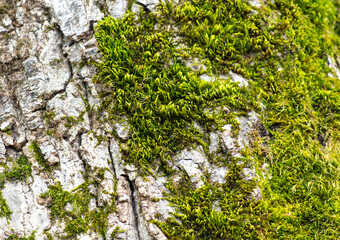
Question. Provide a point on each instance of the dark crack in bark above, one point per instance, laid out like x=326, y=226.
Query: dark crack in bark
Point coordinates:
x=65, y=55
x=134, y=204
x=112, y=160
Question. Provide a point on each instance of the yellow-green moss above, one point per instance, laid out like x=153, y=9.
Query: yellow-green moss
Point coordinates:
x=39, y=157
x=4, y=209
x=73, y=208
x=151, y=85
x=20, y=171
x=282, y=48
x=15, y=237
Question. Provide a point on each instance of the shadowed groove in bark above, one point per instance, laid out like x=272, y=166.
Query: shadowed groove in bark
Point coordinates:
x=134, y=202
x=111, y=159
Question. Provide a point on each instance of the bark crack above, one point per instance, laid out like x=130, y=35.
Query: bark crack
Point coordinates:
x=65, y=55
x=112, y=160
x=134, y=202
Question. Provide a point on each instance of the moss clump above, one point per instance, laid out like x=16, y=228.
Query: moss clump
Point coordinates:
x=39, y=157
x=49, y=116
x=116, y=231
x=4, y=209
x=197, y=215
x=8, y=131
x=21, y=170
x=71, y=120
x=283, y=50
x=150, y=84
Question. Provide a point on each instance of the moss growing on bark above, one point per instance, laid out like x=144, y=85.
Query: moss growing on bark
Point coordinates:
x=39, y=157
x=150, y=83
x=16, y=237
x=284, y=48
x=4, y=209
x=73, y=208
x=20, y=171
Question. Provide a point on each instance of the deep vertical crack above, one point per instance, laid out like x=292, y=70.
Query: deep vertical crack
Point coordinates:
x=85, y=87
x=134, y=202
x=111, y=158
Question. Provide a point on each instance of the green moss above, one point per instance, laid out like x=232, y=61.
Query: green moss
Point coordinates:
x=7, y=130
x=49, y=236
x=39, y=157
x=21, y=170
x=4, y=209
x=196, y=209
x=15, y=237
x=49, y=116
x=55, y=62
x=282, y=49
x=50, y=27
x=161, y=100
x=71, y=120
x=83, y=63
x=73, y=208
x=115, y=232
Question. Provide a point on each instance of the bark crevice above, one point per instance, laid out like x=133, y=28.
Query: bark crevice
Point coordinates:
x=134, y=205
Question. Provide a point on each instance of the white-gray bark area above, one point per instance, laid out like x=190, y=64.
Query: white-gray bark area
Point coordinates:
x=45, y=88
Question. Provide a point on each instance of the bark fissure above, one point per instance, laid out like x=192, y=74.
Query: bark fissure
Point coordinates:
x=65, y=55
x=134, y=203
x=112, y=160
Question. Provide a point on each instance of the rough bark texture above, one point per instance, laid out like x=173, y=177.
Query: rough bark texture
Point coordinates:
x=45, y=92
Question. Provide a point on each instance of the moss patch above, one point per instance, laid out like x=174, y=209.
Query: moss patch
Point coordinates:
x=161, y=96
x=39, y=157
x=15, y=237
x=283, y=50
x=73, y=208
x=21, y=170
x=4, y=209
